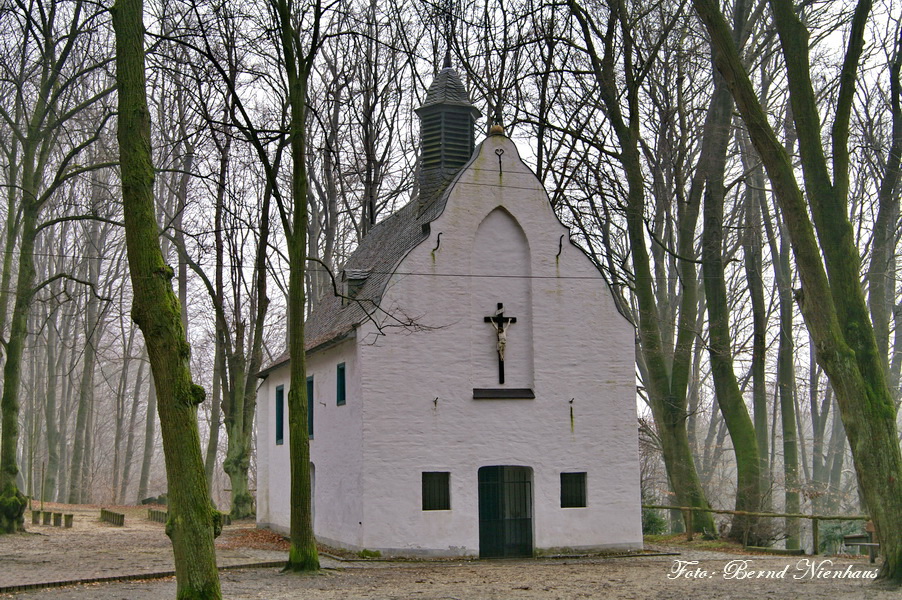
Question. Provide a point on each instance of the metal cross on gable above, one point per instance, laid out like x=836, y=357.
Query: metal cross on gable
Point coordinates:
x=500, y=323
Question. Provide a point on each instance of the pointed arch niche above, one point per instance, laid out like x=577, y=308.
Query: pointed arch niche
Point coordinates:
x=501, y=267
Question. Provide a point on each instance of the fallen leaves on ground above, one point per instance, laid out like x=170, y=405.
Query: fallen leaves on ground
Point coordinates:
x=257, y=539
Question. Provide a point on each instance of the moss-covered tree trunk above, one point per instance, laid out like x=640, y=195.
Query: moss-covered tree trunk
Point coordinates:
x=726, y=387
x=12, y=502
x=298, y=64
x=156, y=310
x=831, y=299
x=785, y=389
x=751, y=250
x=666, y=380
x=239, y=428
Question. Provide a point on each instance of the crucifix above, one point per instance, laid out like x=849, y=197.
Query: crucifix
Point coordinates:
x=500, y=323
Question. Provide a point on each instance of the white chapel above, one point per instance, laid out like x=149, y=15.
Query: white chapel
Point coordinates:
x=504, y=423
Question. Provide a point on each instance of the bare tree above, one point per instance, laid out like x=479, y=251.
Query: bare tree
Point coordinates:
x=831, y=299
x=156, y=311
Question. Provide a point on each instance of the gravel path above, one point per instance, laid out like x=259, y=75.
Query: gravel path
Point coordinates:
x=92, y=549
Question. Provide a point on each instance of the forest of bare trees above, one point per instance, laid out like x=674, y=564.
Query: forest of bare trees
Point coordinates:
x=733, y=169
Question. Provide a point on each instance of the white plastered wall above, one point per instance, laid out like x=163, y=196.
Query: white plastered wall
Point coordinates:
x=335, y=450
x=420, y=414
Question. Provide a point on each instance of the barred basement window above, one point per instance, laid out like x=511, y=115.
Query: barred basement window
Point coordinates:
x=573, y=490
x=436, y=491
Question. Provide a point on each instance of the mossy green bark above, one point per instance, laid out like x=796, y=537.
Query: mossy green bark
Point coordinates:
x=298, y=64
x=12, y=508
x=156, y=310
x=831, y=299
x=665, y=379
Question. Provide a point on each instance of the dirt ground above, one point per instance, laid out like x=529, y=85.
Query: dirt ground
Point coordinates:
x=92, y=549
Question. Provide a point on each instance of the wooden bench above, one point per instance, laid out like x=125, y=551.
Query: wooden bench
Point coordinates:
x=113, y=518
x=864, y=540
x=157, y=516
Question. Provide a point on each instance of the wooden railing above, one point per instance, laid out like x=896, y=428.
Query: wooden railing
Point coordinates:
x=689, y=511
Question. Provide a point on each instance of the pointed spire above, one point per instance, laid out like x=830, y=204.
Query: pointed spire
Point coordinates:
x=447, y=63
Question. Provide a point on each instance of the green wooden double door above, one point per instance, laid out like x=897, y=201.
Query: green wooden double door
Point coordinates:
x=505, y=512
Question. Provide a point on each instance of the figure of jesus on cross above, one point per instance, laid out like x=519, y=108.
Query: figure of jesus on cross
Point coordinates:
x=500, y=323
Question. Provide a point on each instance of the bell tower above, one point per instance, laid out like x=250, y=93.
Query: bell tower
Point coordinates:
x=447, y=131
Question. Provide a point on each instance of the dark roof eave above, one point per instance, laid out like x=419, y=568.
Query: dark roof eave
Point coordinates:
x=333, y=341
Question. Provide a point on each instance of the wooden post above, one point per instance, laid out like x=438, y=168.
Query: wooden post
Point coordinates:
x=43, y=481
x=815, y=537
x=872, y=540
x=687, y=516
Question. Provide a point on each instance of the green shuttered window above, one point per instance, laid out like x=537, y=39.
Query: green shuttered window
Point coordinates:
x=310, y=406
x=280, y=415
x=573, y=490
x=340, y=385
x=436, y=491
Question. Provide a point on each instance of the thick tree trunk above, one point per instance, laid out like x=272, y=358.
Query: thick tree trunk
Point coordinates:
x=12, y=502
x=303, y=554
x=156, y=310
x=726, y=388
x=666, y=386
x=727, y=393
x=831, y=299
x=238, y=454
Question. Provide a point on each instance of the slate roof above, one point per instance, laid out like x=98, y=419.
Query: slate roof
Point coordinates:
x=380, y=252
x=446, y=88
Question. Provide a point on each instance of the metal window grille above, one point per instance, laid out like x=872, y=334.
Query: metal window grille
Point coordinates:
x=573, y=490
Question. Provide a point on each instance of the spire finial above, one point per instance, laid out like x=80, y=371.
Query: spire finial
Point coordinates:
x=447, y=17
